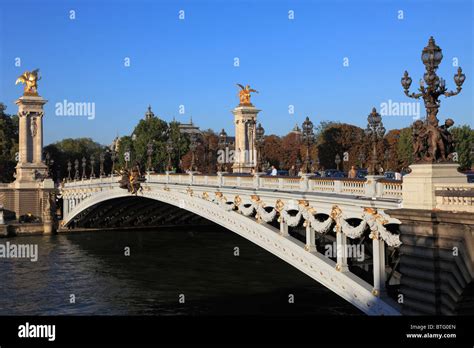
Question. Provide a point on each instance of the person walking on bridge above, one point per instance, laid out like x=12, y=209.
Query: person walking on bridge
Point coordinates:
x=274, y=171
x=352, y=173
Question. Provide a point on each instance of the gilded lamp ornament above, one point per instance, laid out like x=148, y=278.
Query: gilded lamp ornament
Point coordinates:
x=30, y=80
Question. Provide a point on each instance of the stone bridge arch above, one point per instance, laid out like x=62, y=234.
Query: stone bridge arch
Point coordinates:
x=345, y=284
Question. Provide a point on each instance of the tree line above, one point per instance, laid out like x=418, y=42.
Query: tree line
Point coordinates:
x=150, y=140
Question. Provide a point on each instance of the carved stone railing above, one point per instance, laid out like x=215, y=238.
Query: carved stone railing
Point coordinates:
x=390, y=188
x=381, y=188
x=455, y=197
x=353, y=186
x=322, y=185
x=376, y=188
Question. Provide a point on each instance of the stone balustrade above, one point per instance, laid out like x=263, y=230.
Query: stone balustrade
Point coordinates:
x=381, y=188
x=455, y=197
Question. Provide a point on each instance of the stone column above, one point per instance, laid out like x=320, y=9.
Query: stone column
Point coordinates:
x=283, y=227
x=38, y=139
x=245, y=118
x=419, y=186
x=378, y=249
x=30, y=113
x=371, y=185
x=23, y=138
x=310, y=246
x=341, y=252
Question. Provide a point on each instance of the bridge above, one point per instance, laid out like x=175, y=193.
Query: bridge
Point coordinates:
x=299, y=219
x=269, y=211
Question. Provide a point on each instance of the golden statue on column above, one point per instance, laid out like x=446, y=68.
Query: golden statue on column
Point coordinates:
x=29, y=79
x=244, y=94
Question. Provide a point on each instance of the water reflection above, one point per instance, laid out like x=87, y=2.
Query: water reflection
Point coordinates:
x=163, y=264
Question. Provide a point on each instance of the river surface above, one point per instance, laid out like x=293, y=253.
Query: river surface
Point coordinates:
x=164, y=265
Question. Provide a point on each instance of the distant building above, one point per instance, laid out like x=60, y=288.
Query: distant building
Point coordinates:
x=149, y=114
x=296, y=130
x=188, y=128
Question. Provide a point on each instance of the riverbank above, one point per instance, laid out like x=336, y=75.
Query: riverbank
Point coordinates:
x=16, y=229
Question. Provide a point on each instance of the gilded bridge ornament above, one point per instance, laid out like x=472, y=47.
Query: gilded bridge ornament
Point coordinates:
x=244, y=94
x=131, y=179
x=30, y=80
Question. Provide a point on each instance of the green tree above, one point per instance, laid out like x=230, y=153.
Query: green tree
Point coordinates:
x=272, y=151
x=71, y=149
x=405, y=148
x=8, y=144
x=153, y=131
x=340, y=138
x=464, y=140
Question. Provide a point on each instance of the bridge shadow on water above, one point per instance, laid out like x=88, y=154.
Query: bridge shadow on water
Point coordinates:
x=164, y=264
x=201, y=264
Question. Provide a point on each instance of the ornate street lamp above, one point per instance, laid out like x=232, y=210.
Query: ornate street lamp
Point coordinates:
x=69, y=167
x=308, y=139
x=49, y=163
x=386, y=157
x=76, y=169
x=101, y=165
x=92, y=161
x=374, y=131
x=431, y=57
x=259, y=139
x=337, y=160
x=113, y=157
x=193, y=148
x=361, y=159
x=222, y=144
x=298, y=165
x=169, y=150
x=149, y=152
x=84, y=176
x=126, y=156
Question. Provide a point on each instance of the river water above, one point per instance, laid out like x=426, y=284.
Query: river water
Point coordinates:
x=165, y=266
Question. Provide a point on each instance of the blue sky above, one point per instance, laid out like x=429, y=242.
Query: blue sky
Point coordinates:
x=190, y=62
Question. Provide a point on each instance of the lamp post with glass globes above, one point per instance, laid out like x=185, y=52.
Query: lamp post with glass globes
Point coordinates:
x=134, y=139
x=84, y=175
x=76, y=169
x=113, y=158
x=259, y=139
x=222, y=145
x=374, y=131
x=169, y=151
x=149, y=152
x=431, y=57
x=49, y=163
x=361, y=159
x=127, y=156
x=386, y=157
x=308, y=140
x=101, y=165
x=92, y=161
x=69, y=167
x=337, y=160
x=193, y=147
